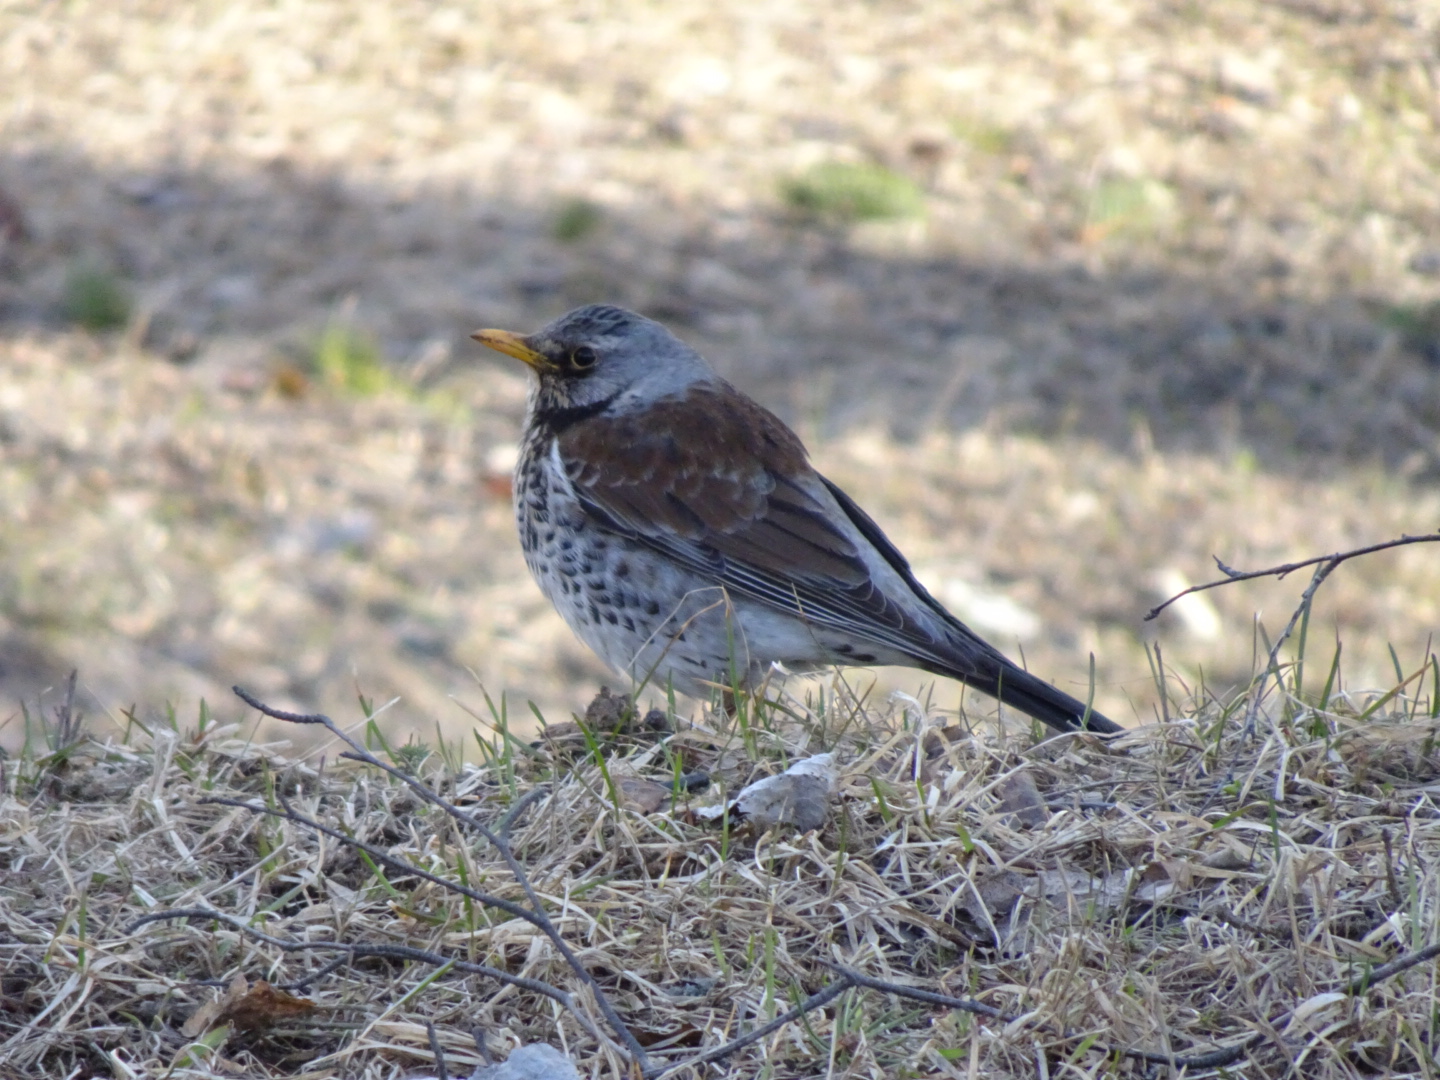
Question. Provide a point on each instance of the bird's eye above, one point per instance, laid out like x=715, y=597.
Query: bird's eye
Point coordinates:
x=583, y=358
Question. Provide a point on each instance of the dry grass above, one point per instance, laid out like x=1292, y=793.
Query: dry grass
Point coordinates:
x=1184, y=889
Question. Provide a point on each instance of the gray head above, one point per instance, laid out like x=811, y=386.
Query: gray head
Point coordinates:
x=600, y=353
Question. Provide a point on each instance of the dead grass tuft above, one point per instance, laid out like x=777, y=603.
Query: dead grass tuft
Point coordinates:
x=1181, y=891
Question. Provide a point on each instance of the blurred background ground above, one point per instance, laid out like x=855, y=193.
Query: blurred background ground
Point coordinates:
x=1071, y=296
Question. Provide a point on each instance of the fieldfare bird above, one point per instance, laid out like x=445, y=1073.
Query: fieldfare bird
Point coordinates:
x=681, y=531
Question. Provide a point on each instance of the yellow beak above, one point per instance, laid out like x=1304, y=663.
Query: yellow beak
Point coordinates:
x=511, y=344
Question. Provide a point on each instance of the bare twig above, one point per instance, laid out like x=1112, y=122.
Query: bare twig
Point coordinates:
x=1360, y=985
x=536, y=915
x=810, y=1004
x=1232, y=575
x=1272, y=662
x=969, y=1005
x=529, y=799
x=359, y=950
x=289, y=813
x=1403, y=963
x=1390, y=882
x=849, y=978
x=1324, y=565
x=478, y=1034
x=441, y=1073
x=1210, y=1060
x=914, y=993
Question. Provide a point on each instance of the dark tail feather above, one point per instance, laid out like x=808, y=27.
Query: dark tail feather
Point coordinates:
x=977, y=663
x=1021, y=690
x=991, y=673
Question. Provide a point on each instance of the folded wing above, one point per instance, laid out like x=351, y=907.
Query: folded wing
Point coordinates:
x=720, y=485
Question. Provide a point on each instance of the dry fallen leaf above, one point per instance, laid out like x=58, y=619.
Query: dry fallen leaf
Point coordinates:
x=991, y=893
x=246, y=1007
x=641, y=795
x=1021, y=798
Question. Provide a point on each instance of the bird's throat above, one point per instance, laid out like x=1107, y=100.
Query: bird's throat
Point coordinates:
x=557, y=418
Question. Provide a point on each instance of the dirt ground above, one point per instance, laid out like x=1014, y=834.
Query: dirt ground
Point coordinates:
x=1174, y=293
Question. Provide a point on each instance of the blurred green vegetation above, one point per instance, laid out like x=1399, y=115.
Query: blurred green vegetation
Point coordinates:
x=983, y=136
x=1132, y=207
x=576, y=219
x=96, y=298
x=349, y=360
x=1418, y=326
x=844, y=193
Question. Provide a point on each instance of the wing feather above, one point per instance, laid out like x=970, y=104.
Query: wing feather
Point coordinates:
x=736, y=500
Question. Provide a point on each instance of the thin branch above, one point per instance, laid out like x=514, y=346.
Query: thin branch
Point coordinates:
x=1324, y=565
x=914, y=993
x=1272, y=663
x=1232, y=575
x=400, y=866
x=441, y=1073
x=500, y=840
x=358, y=951
x=810, y=1004
x=1394, y=967
x=1209, y=1060
x=529, y=799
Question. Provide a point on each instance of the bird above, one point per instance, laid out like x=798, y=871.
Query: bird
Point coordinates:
x=680, y=529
